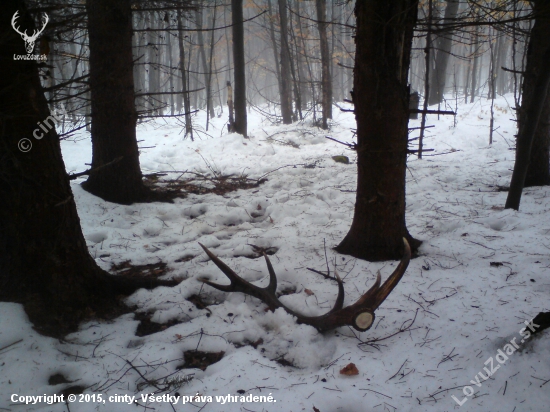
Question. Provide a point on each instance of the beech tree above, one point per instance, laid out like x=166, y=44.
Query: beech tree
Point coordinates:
x=44, y=260
x=383, y=39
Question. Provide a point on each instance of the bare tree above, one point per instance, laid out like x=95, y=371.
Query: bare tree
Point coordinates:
x=286, y=92
x=538, y=173
x=44, y=260
x=184, y=78
x=113, y=109
x=326, y=80
x=381, y=99
x=240, y=125
x=443, y=44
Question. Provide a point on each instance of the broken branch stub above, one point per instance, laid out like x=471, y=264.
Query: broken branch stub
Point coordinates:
x=359, y=315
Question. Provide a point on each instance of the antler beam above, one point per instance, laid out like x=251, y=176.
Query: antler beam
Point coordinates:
x=360, y=315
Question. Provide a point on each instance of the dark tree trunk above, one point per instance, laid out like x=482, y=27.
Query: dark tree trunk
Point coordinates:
x=527, y=132
x=286, y=89
x=240, y=125
x=44, y=261
x=113, y=110
x=443, y=45
x=326, y=81
x=184, y=78
x=384, y=32
x=538, y=171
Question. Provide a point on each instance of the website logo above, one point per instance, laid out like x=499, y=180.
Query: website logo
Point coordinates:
x=29, y=40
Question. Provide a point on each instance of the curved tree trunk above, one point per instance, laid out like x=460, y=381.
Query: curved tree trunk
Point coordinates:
x=44, y=261
x=113, y=109
x=381, y=97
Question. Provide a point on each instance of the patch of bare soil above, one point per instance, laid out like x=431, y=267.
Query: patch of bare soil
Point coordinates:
x=200, y=360
x=199, y=184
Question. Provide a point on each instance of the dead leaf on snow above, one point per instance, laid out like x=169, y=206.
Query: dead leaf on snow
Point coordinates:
x=350, y=370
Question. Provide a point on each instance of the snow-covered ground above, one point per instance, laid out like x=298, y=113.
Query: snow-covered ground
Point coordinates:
x=481, y=273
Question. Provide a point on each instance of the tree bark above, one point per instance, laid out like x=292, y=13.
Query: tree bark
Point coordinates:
x=384, y=32
x=184, y=78
x=112, y=101
x=206, y=67
x=238, y=62
x=326, y=81
x=305, y=95
x=538, y=173
x=473, y=90
x=44, y=261
x=443, y=45
x=270, y=17
x=286, y=90
x=527, y=132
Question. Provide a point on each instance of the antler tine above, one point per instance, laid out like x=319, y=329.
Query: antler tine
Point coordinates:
x=272, y=287
x=359, y=315
x=238, y=284
x=339, y=303
x=233, y=277
x=368, y=295
x=382, y=293
x=13, y=19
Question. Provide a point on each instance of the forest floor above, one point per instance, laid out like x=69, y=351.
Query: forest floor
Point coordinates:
x=482, y=273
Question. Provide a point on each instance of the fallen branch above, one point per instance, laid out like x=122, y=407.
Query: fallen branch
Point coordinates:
x=432, y=112
x=351, y=146
x=94, y=169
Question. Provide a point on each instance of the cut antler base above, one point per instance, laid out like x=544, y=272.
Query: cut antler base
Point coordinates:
x=360, y=315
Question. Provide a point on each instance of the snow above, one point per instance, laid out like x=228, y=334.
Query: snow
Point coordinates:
x=451, y=312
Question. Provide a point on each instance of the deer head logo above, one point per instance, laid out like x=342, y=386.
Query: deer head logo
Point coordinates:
x=29, y=40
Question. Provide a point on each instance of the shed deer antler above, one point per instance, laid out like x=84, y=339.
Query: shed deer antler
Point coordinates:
x=360, y=315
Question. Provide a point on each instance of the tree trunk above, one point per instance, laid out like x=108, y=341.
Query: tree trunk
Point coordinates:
x=152, y=64
x=184, y=78
x=384, y=32
x=300, y=60
x=206, y=68
x=270, y=17
x=113, y=110
x=44, y=260
x=473, y=90
x=170, y=63
x=293, y=70
x=238, y=62
x=286, y=91
x=443, y=45
x=537, y=173
x=527, y=131
x=326, y=81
